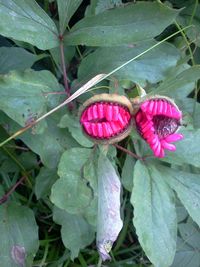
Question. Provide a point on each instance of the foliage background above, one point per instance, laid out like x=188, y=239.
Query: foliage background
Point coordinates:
x=49, y=174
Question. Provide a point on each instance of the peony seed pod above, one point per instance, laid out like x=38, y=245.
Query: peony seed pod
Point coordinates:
x=106, y=118
x=157, y=120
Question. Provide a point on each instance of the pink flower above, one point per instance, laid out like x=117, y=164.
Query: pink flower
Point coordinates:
x=157, y=121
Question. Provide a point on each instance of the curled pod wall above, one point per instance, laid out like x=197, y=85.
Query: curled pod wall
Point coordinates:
x=158, y=120
x=106, y=118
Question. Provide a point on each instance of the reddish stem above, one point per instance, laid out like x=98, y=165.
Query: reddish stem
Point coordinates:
x=127, y=152
x=67, y=89
x=62, y=55
x=12, y=189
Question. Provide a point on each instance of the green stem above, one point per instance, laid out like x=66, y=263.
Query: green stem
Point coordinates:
x=186, y=41
x=79, y=52
x=19, y=165
x=99, y=264
x=193, y=12
x=46, y=5
x=77, y=48
x=42, y=263
x=123, y=233
x=82, y=260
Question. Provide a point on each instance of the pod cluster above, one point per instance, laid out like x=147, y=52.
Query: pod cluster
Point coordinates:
x=109, y=118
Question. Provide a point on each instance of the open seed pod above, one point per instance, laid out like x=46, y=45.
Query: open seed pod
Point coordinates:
x=157, y=120
x=106, y=118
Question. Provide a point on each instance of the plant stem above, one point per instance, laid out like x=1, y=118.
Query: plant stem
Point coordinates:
x=99, y=264
x=42, y=263
x=194, y=12
x=123, y=233
x=62, y=55
x=186, y=41
x=127, y=151
x=7, y=195
x=82, y=260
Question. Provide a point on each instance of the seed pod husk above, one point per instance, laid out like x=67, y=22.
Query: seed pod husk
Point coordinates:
x=106, y=118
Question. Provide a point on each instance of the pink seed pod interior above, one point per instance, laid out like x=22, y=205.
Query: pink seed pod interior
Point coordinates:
x=106, y=118
x=157, y=121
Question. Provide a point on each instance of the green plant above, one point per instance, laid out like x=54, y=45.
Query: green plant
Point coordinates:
x=55, y=183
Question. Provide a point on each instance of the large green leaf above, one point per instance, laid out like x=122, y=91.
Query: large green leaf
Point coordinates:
x=71, y=191
x=27, y=22
x=186, y=256
x=187, y=187
x=109, y=222
x=66, y=9
x=24, y=95
x=75, y=231
x=73, y=125
x=191, y=15
x=49, y=145
x=44, y=181
x=154, y=215
x=127, y=173
x=149, y=67
x=90, y=174
x=191, y=111
x=187, y=150
x=176, y=82
x=122, y=25
x=15, y=58
x=19, y=235
x=190, y=233
x=99, y=6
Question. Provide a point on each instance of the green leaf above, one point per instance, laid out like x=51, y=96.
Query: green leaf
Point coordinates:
x=15, y=58
x=191, y=108
x=44, y=181
x=19, y=235
x=127, y=173
x=66, y=9
x=28, y=159
x=186, y=256
x=75, y=231
x=149, y=67
x=187, y=150
x=24, y=95
x=154, y=214
x=71, y=192
x=187, y=187
x=190, y=234
x=27, y=22
x=49, y=144
x=74, y=127
x=109, y=222
x=90, y=174
x=122, y=25
x=185, y=19
x=176, y=82
x=181, y=212
x=99, y=6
